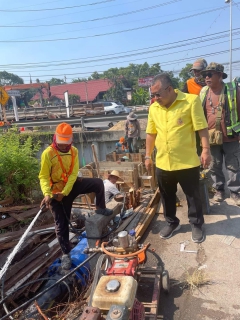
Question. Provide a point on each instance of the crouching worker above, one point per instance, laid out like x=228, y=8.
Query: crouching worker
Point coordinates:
x=110, y=185
x=60, y=185
x=122, y=146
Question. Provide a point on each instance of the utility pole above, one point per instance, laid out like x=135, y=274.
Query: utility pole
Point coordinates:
x=86, y=91
x=230, y=60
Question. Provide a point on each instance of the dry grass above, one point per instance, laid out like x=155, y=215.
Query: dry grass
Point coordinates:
x=194, y=279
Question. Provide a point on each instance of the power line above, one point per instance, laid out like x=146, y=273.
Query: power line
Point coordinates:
x=38, y=4
x=173, y=45
x=53, y=9
x=114, y=32
x=92, y=20
x=66, y=14
x=162, y=64
x=141, y=53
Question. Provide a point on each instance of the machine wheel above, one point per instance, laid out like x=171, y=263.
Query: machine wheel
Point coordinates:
x=165, y=281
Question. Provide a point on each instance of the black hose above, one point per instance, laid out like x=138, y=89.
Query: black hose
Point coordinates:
x=44, y=291
x=96, y=276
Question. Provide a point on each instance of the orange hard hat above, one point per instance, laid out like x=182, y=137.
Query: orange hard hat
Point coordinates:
x=122, y=139
x=64, y=133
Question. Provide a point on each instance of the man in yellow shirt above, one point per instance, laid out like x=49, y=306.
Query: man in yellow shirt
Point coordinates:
x=172, y=122
x=60, y=185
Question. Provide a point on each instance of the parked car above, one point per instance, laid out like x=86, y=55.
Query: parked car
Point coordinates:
x=111, y=107
x=127, y=109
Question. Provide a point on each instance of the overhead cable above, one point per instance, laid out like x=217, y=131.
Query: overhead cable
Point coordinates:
x=113, y=32
x=161, y=64
x=54, y=9
x=110, y=54
x=94, y=19
x=27, y=69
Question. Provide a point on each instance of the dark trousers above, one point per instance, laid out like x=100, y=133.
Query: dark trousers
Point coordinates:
x=132, y=145
x=61, y=211
x=230, y=151
x=189, y=181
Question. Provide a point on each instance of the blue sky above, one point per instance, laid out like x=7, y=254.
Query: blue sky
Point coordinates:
x=113, y=33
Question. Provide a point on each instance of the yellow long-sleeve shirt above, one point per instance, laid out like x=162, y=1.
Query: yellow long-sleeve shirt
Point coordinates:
x=51, y=170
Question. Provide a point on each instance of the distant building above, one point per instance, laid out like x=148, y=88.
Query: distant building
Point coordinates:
x=89, y=91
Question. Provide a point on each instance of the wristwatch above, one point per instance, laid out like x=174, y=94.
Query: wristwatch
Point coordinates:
x=147, y=158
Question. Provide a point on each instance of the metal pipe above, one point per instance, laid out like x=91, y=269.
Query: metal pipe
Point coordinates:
x=76, y=120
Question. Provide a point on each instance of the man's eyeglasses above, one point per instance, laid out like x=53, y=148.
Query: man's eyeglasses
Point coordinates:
x=209, y=74
x=158, y=94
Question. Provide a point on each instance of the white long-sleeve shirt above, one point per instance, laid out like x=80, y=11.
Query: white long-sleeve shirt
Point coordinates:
x=110, y=189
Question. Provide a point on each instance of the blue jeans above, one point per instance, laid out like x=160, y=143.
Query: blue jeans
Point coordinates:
x=231, y=153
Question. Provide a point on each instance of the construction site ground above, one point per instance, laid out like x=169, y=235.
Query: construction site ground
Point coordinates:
x=218, y=258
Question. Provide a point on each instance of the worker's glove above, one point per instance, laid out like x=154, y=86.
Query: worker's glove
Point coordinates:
x=139, y=138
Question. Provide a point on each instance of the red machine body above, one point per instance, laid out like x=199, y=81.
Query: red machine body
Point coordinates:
x=125, y=267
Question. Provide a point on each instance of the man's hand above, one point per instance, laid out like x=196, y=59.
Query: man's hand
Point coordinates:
x=46, y=201
x=139, y=138
x=206, y=158
x=148, y=164
x=58, y=196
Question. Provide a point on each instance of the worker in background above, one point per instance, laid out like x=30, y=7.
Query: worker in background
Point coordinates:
x=122, y=146
x=221, y=103
x=60, y=185
x=195, y=84
x=132, y=132
x=172, y=122
x=110, y=185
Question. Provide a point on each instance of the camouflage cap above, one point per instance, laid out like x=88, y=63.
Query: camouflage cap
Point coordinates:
x=199, y=64
x=214, y=66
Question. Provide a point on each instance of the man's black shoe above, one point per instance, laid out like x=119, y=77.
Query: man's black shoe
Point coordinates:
x=197, y=233
x=104, y=212
x=236, y=197
x=218, y=196
x=168, y=230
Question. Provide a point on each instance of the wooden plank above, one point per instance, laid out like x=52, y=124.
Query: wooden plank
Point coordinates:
x=14, y=269
x=26, y=272
x=127, y=175
x=25, y=215
x=19, y=208
x=95, y=158
x=141, y=228
x=117, y=165
x=7, y=222
x=17, y=234
x=155, y=198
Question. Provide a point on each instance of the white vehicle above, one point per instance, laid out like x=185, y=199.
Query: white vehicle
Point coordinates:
x=111, y=107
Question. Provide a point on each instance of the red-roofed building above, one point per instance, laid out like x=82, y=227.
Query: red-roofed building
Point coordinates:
x=90, y=91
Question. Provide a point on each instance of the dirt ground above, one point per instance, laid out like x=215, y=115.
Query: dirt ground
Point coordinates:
x=218, y=257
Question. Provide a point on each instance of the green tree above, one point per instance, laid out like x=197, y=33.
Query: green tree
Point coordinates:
x=140, y=96
x=37, y=80
x=79, y=80
x=74, y=98
x=184, y=75
x=116, y=92
x=95, y=75
x=9, y=79
x=19, y=166
x=56, y=81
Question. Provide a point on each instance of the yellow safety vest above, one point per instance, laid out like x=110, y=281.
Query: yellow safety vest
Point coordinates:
x=231, y=92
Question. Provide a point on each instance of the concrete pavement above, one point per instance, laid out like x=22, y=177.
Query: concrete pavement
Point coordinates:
x=218, y=255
